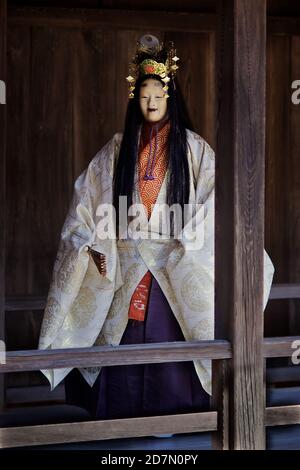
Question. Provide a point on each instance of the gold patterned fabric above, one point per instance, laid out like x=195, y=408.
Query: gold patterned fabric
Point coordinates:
x=85, y=309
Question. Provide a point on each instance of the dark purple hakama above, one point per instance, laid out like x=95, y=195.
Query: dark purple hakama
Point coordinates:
x=142, y=389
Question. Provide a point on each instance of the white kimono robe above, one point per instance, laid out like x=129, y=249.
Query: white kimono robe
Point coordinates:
x=85, y=309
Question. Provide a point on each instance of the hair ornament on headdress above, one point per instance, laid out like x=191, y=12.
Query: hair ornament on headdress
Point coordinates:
x=148, y=61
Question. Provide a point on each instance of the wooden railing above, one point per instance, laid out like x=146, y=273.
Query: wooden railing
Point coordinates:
x=217, y=350
x=133, y=354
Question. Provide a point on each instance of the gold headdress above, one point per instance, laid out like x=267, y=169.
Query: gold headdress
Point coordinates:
x=148, y=61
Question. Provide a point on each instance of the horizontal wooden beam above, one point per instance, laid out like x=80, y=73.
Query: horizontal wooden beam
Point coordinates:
x=31, y=302
x=282, y=415
x=107, y=429
x=285, y=291
x=150, y=353
x=283, y=25
x=134, y=19
x=133, y=427
x=34, y=395
x=28, y=302
x=282, y=375
x=280, y=346
x=120, y=19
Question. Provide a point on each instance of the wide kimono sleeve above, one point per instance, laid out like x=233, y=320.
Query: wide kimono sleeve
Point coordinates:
x=198, y=234
x=74, y=314
x=190, y=266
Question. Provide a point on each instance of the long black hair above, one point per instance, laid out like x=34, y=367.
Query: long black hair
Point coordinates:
x=178, y=181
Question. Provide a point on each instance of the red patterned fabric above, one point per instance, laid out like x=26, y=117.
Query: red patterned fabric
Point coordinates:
x=148, y=192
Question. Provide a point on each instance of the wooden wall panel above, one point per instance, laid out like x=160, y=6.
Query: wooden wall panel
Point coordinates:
x=282, y=214
x=3, y=148
x=50, y=146
x=94, y=78
x=18, y=169
x=21, y=329
x=293, y=190
x=166, y=5
x=196, y=77
x=278, y=97
x=277, y=161
x=40, y=172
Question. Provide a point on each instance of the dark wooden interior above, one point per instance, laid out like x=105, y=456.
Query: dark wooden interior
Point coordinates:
x=67, y=95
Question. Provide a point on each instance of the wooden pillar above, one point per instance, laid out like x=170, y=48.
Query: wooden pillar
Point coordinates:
x=3, y=17
x=240, y=153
